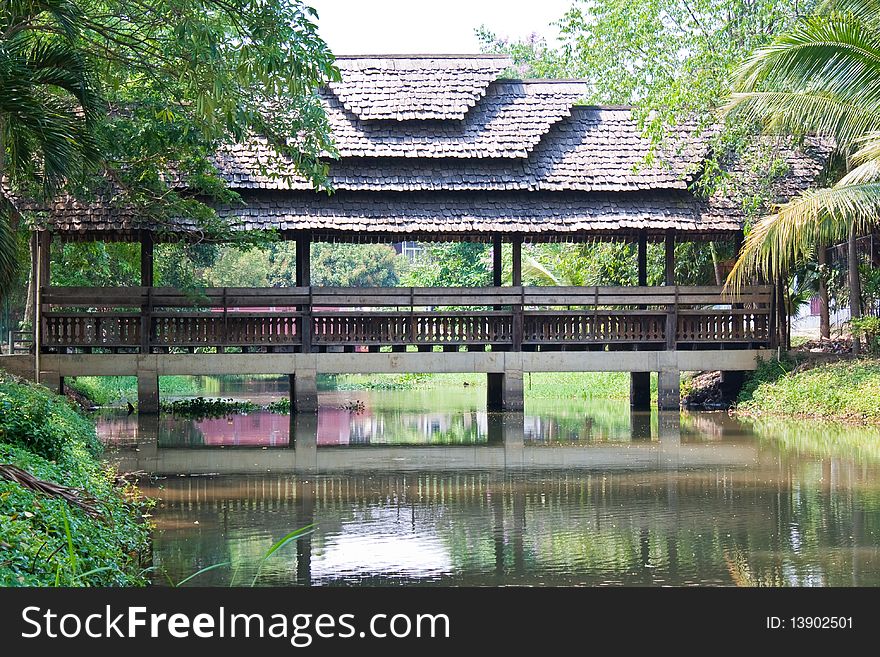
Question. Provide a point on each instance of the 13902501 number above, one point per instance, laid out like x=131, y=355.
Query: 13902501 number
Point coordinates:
x=821, y=622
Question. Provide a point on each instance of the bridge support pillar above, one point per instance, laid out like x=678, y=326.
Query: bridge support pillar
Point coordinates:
x=304, y=392
x=640, y=391
x=731, y=383
x=148, y=391
x=669, y=390
x=53, y=381
x=504, y=390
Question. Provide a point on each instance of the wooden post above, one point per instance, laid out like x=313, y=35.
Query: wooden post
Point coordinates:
x=643, y=258
x=670, y=257
x=303, y=260
x=496, y=260
x=517, y=332
x=304, y=279
x=671, y=310
x=147, y=247
x=42, y=273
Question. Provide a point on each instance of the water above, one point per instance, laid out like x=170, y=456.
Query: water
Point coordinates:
x=426, y=488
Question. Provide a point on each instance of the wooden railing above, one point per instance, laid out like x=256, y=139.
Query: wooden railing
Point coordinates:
x=308, y=319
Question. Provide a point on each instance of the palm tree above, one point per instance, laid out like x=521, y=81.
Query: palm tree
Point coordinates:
x=821, y=78
x=48, y=109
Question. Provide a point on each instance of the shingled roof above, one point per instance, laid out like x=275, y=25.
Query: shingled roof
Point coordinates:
x=434, y=146
x=410, y=87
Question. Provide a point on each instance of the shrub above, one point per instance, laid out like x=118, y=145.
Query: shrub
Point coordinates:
x=42, y=422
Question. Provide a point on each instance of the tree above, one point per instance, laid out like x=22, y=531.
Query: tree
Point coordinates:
x=674, y=60
x=127, y=101
x=48, y=112
x=466, y=264
x=821, y=77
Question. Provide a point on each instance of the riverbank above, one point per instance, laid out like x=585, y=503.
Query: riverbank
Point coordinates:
x=65, y=517
x=842, y=390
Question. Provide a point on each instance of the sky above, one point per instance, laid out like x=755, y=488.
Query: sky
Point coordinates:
x=365, y=27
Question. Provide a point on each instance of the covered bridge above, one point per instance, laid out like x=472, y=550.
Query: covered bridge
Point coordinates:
x=432, y=148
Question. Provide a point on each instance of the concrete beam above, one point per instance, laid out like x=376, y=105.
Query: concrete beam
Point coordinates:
x=392, y=363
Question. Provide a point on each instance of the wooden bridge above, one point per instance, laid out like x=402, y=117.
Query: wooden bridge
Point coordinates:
x=313, y=319
x=520, y=162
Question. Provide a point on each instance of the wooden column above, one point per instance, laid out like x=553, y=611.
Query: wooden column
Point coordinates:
x=147, y=248
x=672, y=309
x=640, y=382
x=496, y=261
x=516, y=271
x=42, y=273
x=643, y=258
x=304, y=279
x=303, y=260
x=670, y=257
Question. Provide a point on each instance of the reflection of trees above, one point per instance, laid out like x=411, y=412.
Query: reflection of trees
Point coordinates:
x=761, y=527
x=817, y=438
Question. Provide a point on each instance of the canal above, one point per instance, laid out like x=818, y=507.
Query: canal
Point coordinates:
x=424, y=487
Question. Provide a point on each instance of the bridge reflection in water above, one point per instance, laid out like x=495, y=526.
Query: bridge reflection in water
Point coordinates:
x=701, y=504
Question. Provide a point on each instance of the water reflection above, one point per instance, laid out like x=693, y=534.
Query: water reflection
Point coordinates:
x=573, y=493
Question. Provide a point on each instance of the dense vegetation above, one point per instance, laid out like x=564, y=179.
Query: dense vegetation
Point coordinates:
x=844, y=390
x=45, y=539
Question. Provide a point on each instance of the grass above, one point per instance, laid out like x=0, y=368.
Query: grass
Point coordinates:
x=845, y=390
x=109, y=390
x=44, y=539
x=556, y=385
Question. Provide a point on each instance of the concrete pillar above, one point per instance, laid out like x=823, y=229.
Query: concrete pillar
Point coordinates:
x=304, y=392
x=640, y=391
x=504, y=391
x=148, y=391
x=53, y=381
x=731, y=383
x=669, y=390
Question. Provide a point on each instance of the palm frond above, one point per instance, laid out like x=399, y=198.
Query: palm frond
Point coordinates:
x=822, y=216
x=536, y=270
x=811, y=112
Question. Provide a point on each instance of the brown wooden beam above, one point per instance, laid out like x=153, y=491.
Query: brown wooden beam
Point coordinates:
x=670, y=257
x=643, y=258
x=517, y=260
x=496, y=261
x=303, y=260
x=148, y=243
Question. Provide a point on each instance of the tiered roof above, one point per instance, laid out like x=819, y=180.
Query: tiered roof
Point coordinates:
x=439, y=147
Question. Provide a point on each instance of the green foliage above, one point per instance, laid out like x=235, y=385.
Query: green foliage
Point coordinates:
x=108, y=390
x=464, y=264
x=847, y=390
x=821, y=76
x=44, y=541
x=95, y=264
x=868, y=328
x=105, y=97
x=201, y=407
x=674, y=60
x=46, y=424
x=353, y=265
